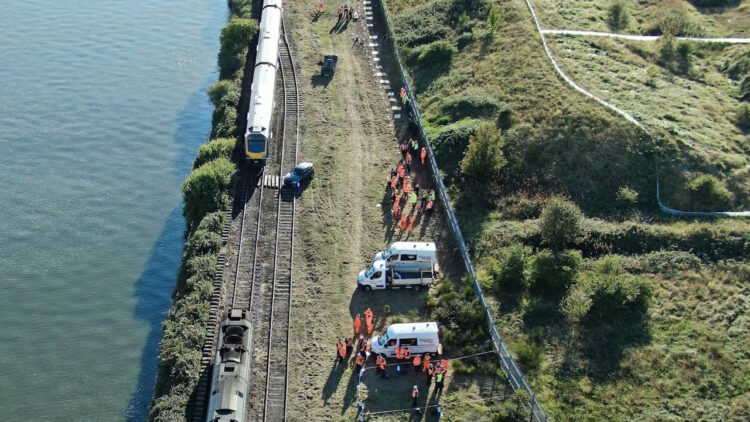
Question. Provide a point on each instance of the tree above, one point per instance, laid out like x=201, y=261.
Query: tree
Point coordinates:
x=576, y=304
x=484, y=159
x=205, y=189
x=235, y=39
x=561, y=223
x=220, y=147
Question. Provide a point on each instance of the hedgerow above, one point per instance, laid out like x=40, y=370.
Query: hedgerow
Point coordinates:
x=206, y=194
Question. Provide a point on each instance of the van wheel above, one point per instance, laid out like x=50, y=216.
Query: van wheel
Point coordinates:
x=368, y=288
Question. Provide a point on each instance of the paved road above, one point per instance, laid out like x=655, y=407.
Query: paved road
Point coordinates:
x=641, y=37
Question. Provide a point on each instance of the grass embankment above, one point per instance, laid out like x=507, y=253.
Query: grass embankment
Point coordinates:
x=709, y=18
x=207, y=191
x=347, y=132
x=508, y=134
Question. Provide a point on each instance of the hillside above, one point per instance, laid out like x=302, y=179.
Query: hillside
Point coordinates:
x=636, y=315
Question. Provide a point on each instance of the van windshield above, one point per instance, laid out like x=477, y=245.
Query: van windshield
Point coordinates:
x=370, y=271
x=382, y=340
x=387, y=253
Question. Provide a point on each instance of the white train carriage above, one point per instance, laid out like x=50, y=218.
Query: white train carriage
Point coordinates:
x=258, y=133
x=231, y=369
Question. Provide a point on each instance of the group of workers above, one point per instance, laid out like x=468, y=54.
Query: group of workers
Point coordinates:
x=403, y=192
x=344, y=347
x=346, y=11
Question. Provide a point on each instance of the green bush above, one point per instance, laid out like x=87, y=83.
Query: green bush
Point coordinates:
x=216, y=148
x=423, y=24
x=235, y=40
x=437, y=53
x=224, y=122
x=618, y=15
x=626, y=197
x=576, y=304
x=224, y=92
x=484, y=159
x=743, y=116
x=471, y=103
x=202, y=243
x=508, y=270
x=553, y=273
x=561, y=223
x=450, y=146
x=529, y=354
x=706, y=192
x=665, y=262
x=615, y=292
x=462, y=319
x=205, y=189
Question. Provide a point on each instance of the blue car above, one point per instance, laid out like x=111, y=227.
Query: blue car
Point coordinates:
x=299, y=173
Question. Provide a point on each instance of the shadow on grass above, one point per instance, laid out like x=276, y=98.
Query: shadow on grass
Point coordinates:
x=320, y=80
x=605, y=343
x=334, y=378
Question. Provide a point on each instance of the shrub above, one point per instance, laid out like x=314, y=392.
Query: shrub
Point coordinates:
x=224, y=92
x=743, y=116
x=553, y=273
x=666, y=262
x=464, y=40
x=423, y=24
x=236, y=37
x=438, y=52
x=484, y=159
x=461, y=316
x=217, y=148
x=225, y=121
x=529, y=354
x=561, y=223
x=471, y=103
x=205, y=189
x=618, y=15
x=684, y=57
x=626, y=197
x=706, y=192
x=576, y=304
x=202, y=243
x=618, y=293
x=508, y=271
x=450, y=145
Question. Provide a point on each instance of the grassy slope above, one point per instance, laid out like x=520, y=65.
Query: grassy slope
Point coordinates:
x=588, y=160
x=695, y=112
x=347, y=133
x=593, y=16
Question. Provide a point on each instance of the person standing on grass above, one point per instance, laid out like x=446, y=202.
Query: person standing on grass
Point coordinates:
x=408, y=162
x=423, y=154
x=430, y=371
x=414, y=396
x=417, y=362
x=349, y=345
x=357, y=324
x=358, y=362
x=439, y=379
x=341, y=351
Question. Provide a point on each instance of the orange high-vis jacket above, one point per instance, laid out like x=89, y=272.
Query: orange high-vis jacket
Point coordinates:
x=342, y=350
x=358, y=360
x=426, y=363
x=357, y=324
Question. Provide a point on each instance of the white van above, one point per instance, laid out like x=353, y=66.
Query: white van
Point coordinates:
x=421, y=337
x=379, y=276
x=409, y=256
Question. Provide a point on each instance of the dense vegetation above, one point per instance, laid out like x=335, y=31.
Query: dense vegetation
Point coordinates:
x=207, y=191
x=585, y=301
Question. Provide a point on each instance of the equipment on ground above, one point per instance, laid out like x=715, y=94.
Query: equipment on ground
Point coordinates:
x=409, y=256
x=378, y=276
x=420, y=337
x=231, y=369
x=298, y=174
x=258, y=133
x=329, y=65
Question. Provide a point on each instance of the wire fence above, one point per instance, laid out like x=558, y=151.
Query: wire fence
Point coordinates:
x=505, y=359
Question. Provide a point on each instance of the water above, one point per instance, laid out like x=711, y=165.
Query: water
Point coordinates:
x=102, y=107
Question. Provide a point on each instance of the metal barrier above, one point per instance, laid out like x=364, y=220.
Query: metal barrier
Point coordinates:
x=508, y=365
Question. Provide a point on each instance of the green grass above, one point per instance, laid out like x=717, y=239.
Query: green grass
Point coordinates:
x=644, y=15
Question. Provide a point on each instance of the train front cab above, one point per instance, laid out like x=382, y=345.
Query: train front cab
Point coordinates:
x=256, y=148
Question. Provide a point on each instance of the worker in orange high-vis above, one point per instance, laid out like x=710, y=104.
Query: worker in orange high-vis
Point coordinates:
x=423, y=154
x=382, y=367
x=399, y=354
x=417, y=362
x=368, y=314
x=407, y=353
x=341, y=351
x=403, y=93
x=369, y=327
x=402, y=224
x=394, y=182
x=411, y=223
x=408, y=162
x=407, y=185
x=426, y=363
x=400, y=171
x=357, y=324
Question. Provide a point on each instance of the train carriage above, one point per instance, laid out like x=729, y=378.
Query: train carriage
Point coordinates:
x=258, y=133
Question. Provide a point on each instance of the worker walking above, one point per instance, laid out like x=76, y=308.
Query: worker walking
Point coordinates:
x=408, y=162
x=358, y=362
x=417, y=363
x=399, y=354
x=414, y=396
x=414, y=145
x=382, y=366
x=402, y=224
x=423, y=154
x=341, y=351
x=357, y=324
x=426, y=363
x=430, y=371
x=440, y=373
x=368, y=320
x=349, y=343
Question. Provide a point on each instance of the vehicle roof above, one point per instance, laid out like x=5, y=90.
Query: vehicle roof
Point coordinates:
x=303, y=165
x=416, y=246
x=413, y=328
x=379, y=265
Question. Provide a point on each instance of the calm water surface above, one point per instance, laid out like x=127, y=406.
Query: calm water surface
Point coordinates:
x=102, y=107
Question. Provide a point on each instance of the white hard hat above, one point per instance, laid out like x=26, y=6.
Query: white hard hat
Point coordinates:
x=415, y=386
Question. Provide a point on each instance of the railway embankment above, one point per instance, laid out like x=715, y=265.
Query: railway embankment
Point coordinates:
x=208, y=191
